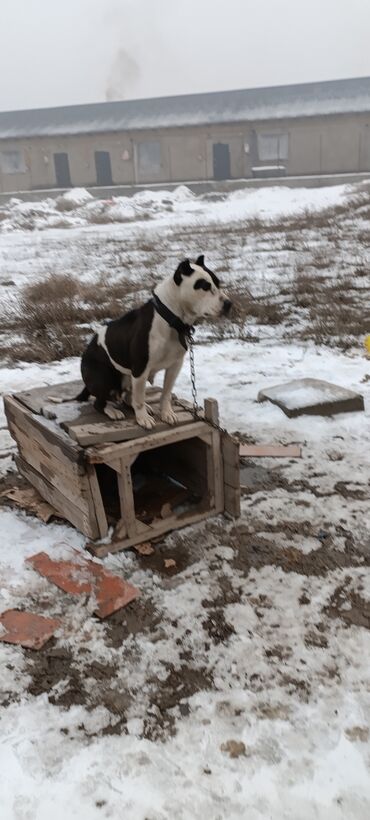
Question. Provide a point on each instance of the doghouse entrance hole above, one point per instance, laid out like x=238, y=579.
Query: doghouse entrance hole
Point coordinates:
x=108, y=485
x=168, y=480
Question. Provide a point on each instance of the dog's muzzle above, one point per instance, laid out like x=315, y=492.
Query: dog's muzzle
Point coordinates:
x=227, y=305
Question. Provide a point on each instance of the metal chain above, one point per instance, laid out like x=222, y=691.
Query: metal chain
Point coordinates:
x=196, y=408
x=192, y=374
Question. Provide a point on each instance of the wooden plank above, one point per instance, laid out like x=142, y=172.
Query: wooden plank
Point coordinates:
x=211, y=411
x=144, y=530
x=126, y=498
x=104, y=452
x=232, y=500
x=66, y=469
x=115, y=464
x=270, y=450
x=163, y=526
x=46, y=432
x=99, y=432
x=231, y=472
x=230, y=450
x=84, y=522
x=101, y=518
x=218, y=471
x=186, y=405
x=73, y=486
x=231, y=475
x=36, y=398
x=210, y=471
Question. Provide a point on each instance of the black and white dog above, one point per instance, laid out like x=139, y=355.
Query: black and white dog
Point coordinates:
x=127, y=352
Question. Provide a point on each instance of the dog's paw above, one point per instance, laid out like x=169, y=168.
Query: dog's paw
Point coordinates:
x=169, y=416
x=145, y=420
x=113, y=413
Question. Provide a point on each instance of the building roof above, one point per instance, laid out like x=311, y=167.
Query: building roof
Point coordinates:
x=253, y=104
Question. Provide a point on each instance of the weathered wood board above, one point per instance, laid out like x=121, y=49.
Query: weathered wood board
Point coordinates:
x=37, y=398
x=231, y=471
x=91, y=427
x=73, y=513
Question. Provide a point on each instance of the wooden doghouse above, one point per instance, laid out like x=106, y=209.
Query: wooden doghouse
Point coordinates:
x=96, y=472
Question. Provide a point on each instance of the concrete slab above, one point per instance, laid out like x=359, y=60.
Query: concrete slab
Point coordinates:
x=27, y=629
x=312, y=397
x=86, y=578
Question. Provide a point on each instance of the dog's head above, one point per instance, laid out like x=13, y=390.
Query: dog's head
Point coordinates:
x=200, y=291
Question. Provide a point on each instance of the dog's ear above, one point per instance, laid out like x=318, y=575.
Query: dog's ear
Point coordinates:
x=184, y=269
x=200, y=260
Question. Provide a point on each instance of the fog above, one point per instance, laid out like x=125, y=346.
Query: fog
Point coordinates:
x=60, y=52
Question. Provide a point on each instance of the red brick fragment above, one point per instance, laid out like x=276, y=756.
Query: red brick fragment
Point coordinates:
x=67, y=575
x=27, y=629
x=87, y=578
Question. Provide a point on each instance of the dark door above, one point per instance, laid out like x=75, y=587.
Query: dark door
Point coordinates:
x=62, y=172
x=103, y=168
x=221, y=161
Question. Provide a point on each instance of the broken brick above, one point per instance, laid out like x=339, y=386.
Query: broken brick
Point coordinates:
x=87, y=578
x=67, y=575
x=27, y=629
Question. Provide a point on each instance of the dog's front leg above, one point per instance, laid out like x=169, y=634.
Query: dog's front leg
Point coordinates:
x=138, y=402
x=167, y=414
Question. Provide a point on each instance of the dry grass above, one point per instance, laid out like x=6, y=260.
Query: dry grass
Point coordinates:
x=337, y=310
x=52, y=315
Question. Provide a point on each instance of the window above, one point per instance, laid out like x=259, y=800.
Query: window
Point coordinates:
x=12, y=162
x=149, y=158
x=272, y=146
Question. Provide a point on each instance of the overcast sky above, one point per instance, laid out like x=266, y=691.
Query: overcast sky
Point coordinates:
x=60, y=52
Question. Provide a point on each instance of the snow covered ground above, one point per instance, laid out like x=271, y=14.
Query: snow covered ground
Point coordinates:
x=261, y=633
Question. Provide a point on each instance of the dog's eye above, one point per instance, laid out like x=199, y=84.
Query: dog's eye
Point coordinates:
x=202, y=284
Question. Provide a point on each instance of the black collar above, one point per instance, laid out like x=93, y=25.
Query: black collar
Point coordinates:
x=174, y=321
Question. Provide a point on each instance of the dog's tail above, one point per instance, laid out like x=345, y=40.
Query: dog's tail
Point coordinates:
x=83, y=396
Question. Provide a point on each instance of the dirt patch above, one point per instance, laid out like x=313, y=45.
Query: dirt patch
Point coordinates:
x=349, y=607
x=256, y=479
x=172, y=695
x=53, y=672
x=278, y=653
x=179, y=553
x=342, y=488
x=253, y=551
x=137, y=617
x=217, y=627
x=358, y=733
x=316, y=639
x=296, y=686
x=9, y=482
x=48, y=668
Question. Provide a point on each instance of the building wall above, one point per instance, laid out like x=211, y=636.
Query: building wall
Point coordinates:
x=332, y=144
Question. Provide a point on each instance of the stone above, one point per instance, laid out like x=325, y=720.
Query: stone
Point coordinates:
x=312, y=397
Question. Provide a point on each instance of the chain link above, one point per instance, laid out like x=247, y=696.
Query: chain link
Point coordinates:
x=196, y=408
x=192, y=374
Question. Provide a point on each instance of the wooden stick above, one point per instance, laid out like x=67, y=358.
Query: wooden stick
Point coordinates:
x=211, y=411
